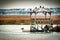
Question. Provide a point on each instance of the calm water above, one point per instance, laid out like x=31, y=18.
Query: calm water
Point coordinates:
x=12, y=32
x=29, y=36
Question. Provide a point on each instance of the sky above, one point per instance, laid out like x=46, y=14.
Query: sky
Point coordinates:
x=10, y=4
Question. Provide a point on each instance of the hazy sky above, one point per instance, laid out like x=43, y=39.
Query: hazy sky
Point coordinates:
x=8, y=4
